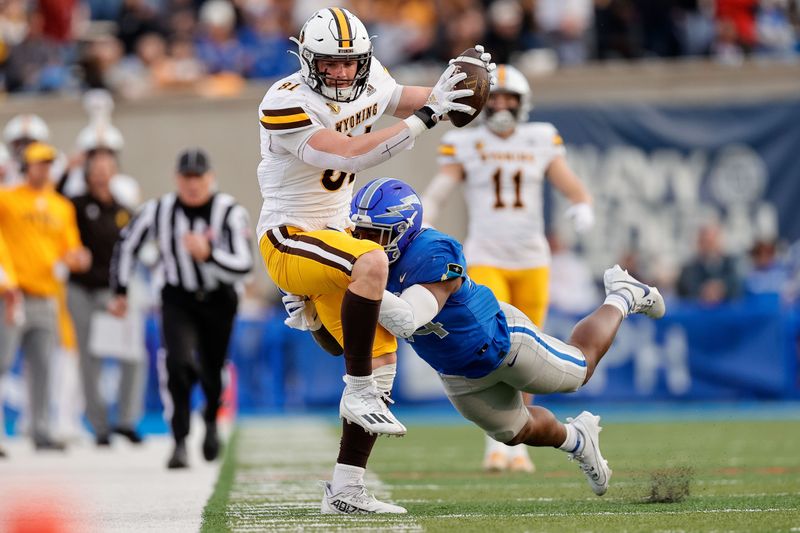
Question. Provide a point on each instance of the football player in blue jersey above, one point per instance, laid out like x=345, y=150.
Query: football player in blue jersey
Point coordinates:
x=487, y=353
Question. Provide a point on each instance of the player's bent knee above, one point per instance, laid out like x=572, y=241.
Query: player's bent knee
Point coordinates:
x=372, y=266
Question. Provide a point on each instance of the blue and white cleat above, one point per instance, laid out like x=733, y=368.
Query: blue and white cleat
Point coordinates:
x=588, y=456
x=641, y=298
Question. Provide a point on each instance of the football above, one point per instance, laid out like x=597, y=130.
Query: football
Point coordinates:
x=477, y=79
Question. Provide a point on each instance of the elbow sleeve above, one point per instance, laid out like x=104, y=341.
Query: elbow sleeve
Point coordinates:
x=385, y=150
x=403, y=315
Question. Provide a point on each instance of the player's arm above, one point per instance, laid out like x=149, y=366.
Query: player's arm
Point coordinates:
x=411, y=98
x=567, y=182
x=570, y=185
x=330, y=149
x=416, y=306
x=446, y=180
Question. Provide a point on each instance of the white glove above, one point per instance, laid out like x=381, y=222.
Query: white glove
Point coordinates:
x=442, y=95
x=486, y=57
x=302, y=313
x=581, y=215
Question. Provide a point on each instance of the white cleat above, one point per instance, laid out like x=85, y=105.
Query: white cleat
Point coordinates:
x=591, y=461
x=495, y=461
x=354, y=499
x=365, y=407
x=641, y=298
x=522, y=463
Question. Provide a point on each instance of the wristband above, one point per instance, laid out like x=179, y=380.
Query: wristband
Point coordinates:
x=427, y=116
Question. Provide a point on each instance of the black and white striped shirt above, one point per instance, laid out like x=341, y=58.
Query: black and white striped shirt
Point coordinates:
x=165, y=220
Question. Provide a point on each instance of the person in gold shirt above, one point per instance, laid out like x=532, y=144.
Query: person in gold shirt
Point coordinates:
x=41, y=232
x=10, y=295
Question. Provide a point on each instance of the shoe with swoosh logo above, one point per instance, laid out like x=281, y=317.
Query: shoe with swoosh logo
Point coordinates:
x=641, y=298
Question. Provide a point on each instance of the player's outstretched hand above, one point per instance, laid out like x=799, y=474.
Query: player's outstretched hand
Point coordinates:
x=581, y=215
x=443, y=94
x=302, y=313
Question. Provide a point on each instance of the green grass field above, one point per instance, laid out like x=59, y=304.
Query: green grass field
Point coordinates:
x=741, y=476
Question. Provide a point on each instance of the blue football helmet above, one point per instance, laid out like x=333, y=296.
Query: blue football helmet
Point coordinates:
x=389, y=212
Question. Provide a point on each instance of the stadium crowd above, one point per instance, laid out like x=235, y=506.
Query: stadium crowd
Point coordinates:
x=139, y=47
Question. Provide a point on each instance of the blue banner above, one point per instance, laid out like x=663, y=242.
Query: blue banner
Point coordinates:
x=657, y=172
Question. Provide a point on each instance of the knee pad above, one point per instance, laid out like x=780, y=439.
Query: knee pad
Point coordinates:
x=384, y=378
x=503, y=436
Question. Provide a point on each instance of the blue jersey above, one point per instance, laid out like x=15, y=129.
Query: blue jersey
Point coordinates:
x=469, y=337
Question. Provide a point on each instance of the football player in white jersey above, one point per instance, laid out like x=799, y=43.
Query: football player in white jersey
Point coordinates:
x=316, y=135
x=502, y=164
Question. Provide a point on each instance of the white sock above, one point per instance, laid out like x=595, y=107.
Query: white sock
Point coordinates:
x=574, y=442
x=344, y=475
x=495, y=446
x=619, y=302
x=358, y=382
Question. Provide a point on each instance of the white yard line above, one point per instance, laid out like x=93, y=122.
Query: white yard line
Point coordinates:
x=276, y=487
x=122, y=489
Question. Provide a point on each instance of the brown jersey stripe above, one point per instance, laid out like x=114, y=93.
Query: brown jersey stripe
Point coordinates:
x=282, y=112
x=286, y=125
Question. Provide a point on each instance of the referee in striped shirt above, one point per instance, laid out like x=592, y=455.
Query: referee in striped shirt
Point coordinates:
x=204, y=240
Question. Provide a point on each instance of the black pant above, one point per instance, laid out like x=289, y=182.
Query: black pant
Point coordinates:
x=196, y=328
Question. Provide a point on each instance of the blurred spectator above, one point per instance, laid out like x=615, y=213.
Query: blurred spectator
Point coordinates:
x=35, y=63
x=462, y=30
x=182, y=69
x=659, y=32
x=405, y=29
x=61, y=17
x=614, y=29
x=41, y=232
x=767, y=274
x=711, y=276
x=726, y=48
x=138, y=75
x=776, y=35
x=13, y=23
x=219, y=47
x=564, y=24
x=267, y=43
x=99, y=59
x=506, y=34
x=694, y=21
x=738, y=19
x=136, y=18
x=182, y=24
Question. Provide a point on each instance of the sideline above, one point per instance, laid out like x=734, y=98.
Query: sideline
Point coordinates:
x=122, y=489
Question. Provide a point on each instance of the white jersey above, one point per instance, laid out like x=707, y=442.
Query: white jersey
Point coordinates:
x=503, y=182
x=294, y=192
